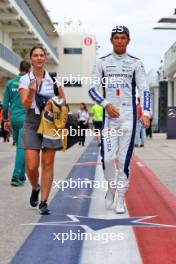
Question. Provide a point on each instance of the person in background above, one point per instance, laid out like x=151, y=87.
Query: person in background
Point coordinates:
x=97, y=117
x=1, y=115
x=139, y=124
x=12, y=101
x=142, y=135
x=83, y=121
x=5, y=130
x=149, y=130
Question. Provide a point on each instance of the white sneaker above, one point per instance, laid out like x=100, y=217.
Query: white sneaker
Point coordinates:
x=120, y=207
x=109, y=199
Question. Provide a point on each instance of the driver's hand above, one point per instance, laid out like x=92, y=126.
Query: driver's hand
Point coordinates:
x=112, y=111
x=146, y=121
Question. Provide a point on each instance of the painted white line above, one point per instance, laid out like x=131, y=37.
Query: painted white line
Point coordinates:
x=118, y=251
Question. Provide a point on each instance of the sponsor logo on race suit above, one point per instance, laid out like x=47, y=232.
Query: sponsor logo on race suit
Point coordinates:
x=147, y=100
x=117, y=85
x=109, y=146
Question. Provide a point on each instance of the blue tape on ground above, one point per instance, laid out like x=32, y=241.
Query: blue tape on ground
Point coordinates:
x=39, y=247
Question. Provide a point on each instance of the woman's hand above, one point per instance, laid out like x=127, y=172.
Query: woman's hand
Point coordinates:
x=48, y=106
x=61, y=94
x=32, y=86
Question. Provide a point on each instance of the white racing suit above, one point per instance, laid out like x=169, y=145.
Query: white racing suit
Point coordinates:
x=119, y=76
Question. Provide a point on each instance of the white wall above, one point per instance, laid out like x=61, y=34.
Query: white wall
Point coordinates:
x=79, y=65
x=5, y=39
x=174, y=92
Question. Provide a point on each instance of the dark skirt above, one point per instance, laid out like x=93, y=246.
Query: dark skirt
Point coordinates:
x=31, y=139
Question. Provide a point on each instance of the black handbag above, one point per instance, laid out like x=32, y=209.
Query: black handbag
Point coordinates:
x=72, y=123
x=41, y=100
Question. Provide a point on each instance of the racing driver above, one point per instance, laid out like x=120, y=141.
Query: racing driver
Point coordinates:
x=119, y=73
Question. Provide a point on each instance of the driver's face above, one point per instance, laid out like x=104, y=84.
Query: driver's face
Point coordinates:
x=120, y=42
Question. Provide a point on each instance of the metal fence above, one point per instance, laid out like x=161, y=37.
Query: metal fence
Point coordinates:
x=9, y=56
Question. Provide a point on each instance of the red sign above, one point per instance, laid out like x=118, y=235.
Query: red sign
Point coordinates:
x=88, y=41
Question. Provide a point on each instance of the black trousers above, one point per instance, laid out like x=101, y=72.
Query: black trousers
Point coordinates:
x=5, y=133
x=82, y=132
x=149, y=130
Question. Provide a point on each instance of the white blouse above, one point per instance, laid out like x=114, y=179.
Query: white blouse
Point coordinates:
x=83, y=115
x=47, y=88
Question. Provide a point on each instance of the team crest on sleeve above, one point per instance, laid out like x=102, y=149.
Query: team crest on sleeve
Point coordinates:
x=147, y=101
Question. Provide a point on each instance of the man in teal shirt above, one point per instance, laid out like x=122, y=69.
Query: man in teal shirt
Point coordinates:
x=17, y=115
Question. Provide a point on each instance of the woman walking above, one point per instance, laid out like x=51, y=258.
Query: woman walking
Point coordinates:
x=83, y=122
x=38, y=81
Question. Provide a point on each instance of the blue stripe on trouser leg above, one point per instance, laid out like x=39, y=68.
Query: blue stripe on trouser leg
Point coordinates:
x=102, y=142
x=123, y=144
x=131, y=145
x=103, y=125
x=126, y=143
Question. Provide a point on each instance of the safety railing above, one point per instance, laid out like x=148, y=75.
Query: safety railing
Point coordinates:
x=9, y=56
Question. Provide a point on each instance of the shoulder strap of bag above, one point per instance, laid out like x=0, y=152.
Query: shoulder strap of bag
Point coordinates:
x=55, y=87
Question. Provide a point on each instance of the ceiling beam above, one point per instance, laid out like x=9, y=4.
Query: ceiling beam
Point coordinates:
x=9, y=17
x=14, y=29
x=31, y=41
x=5, y=5
x=21, y=35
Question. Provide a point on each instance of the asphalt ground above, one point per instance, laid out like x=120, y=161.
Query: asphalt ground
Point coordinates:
x=158, y=154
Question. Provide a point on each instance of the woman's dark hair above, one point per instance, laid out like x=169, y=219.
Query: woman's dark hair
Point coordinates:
x=85, y=107
x=34, y=48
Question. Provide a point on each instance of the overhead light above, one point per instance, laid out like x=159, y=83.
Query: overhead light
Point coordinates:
x=171, y=19
x=165, y=28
